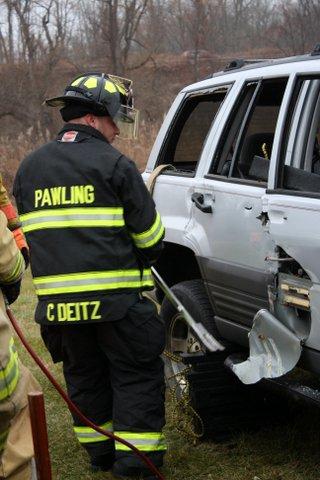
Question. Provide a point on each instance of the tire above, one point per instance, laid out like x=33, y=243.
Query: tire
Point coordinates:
x=179, y=337
x=223, y=403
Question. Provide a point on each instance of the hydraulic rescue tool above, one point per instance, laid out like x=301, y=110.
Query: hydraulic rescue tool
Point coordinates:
x=202, y=333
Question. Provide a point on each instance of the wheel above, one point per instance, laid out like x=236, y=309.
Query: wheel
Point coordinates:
x=216, y=397
x=179, y=336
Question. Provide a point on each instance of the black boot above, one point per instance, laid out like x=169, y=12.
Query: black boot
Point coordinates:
x=102, y=463
x=129, y=466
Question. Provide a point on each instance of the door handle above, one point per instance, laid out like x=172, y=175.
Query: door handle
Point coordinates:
x=203, y=202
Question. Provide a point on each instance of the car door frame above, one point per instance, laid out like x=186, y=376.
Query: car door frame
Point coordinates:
x=176, y=224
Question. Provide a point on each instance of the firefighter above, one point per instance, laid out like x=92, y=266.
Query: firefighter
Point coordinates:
x=93, y=232
x=13, y=222
x=16, y=446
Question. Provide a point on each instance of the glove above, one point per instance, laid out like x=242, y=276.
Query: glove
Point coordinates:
x=22, y=245
x=11, y=291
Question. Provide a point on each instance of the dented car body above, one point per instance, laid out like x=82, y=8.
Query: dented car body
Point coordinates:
x=242, y=207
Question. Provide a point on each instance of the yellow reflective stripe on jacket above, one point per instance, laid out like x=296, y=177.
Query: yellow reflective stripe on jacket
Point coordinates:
x=17, y=270
x=151, y=236
x=92, y=281
x=3, y=439
x=73, y=217
x=146, y=441
x=9, y=374
x=89, y=435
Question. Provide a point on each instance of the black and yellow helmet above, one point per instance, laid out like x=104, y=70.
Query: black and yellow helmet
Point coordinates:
x=101, y=94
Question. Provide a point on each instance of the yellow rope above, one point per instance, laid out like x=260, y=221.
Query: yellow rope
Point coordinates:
x=182, y=415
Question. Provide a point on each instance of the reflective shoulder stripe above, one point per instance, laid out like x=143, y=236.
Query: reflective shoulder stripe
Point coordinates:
x=73, y=217
x=9, y=374
x=89, y=435
x=151, y=236
x=146, y=441
x=17, y=270
x=92, y=281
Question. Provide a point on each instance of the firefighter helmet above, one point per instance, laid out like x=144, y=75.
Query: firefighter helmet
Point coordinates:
x=105, y=95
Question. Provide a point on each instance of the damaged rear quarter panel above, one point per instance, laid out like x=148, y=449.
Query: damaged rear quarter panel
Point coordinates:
x=294, y=225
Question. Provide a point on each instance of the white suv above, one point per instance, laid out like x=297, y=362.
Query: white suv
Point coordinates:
x=241, y=207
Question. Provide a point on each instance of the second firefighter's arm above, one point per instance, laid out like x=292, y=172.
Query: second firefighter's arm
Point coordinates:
x=12, y=263
x=14, y=223
x=141, y=218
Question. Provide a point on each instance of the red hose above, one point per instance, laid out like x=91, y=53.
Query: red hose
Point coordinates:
x=72, y=406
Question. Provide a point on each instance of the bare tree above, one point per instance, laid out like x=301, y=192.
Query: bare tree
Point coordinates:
x=298, y=26
x=198, y=29
x=6, y=32
x=42, y=33
x=114, y=29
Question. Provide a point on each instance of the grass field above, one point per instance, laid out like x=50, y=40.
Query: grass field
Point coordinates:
x=290, y=451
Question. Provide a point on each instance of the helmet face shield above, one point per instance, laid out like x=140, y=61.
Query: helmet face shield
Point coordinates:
x=124, y=85
x=127, y=120
x=127, y=117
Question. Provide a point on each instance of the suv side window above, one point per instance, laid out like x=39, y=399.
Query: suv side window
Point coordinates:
x=189, y=130
x=245, y=147
x=299, y=166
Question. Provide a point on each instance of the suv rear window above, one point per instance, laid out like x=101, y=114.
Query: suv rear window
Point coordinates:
x=189, y=130
x=245, y=147
x=299, y=166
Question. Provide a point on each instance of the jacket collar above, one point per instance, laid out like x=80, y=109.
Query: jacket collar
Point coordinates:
x=83, y=128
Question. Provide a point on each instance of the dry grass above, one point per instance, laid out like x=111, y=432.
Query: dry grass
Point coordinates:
x=13, y=150
x=139, y=150
x=285, y=452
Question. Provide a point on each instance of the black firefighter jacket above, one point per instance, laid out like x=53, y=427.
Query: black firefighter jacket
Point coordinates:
x=91, y=226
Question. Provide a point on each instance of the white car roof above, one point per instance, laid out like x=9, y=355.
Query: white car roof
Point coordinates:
x=260, y=68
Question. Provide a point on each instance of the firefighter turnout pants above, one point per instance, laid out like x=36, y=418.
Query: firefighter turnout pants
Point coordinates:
x=114, y=374
x=16, y=445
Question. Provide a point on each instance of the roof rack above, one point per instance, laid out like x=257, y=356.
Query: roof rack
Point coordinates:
x=240, y=62
x=316, y=50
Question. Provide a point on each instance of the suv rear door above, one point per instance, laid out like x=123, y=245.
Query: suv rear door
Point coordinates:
x=293, y=201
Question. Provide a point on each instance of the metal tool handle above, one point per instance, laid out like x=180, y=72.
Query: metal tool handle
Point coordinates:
x=202, y=333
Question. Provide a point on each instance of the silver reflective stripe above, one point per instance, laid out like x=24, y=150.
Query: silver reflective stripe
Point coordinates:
x=81, y=282
x=89, y=281
x=151, y=236
x=89, y=435
x=145, y=441
x=57, y=218
x=73, y=217
x=140, y=441
x=11, y=376
x=94, y=434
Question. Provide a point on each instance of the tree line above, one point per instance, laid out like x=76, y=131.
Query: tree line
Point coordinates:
x=44, y=42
